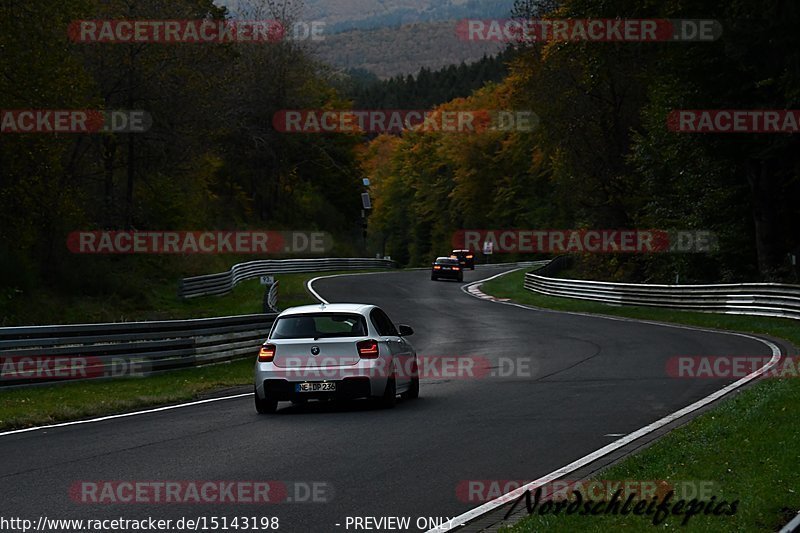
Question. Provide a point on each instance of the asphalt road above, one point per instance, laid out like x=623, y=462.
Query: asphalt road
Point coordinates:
x=589, y=378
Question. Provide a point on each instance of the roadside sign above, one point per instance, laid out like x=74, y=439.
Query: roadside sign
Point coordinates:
x=488, y=248
x=365, y=201
x=267, y=280
x=366, y=182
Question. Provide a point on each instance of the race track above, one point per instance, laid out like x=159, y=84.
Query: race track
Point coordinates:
x=591, y=377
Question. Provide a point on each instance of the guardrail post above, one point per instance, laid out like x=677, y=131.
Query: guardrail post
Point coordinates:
x=224, y=282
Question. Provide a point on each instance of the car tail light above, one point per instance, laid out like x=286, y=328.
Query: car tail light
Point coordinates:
x=437, y=267
x=267, y=353
x=368, y=349
x=469, y=257
x=456, y=268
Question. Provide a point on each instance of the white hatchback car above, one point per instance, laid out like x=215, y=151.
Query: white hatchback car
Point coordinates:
x=336, y=351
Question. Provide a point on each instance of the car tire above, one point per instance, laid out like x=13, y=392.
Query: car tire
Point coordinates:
x=389, y=398
x=433, y=278
x=413, y=390
x=265, y=407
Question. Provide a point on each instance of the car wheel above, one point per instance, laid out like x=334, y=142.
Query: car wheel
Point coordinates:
x=265, y=407
x=389, y=398
x=413, y=390
x=433, y=278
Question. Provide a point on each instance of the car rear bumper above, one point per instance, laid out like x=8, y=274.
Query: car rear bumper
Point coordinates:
x=367, y=378
x=346, y=389
x=450, y=274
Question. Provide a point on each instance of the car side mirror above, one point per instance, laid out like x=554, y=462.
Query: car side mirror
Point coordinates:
x=405, y=331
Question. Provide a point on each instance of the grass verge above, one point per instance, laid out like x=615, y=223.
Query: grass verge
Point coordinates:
x=33, y=406
x=155, y=299
x=748, y=446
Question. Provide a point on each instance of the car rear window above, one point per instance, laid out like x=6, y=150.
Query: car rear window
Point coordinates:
x=447, y=261
x=319, y=326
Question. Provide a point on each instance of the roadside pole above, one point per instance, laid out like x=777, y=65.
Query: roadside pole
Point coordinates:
x=270, y=300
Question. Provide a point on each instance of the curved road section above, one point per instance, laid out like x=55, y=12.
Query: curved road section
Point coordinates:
x=507, y=394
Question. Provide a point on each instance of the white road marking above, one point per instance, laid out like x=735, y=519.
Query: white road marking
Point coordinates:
x=170, y=407
x=793, y=526
x=124, y=415
x=310, y=283
x=491, y=505
x=605, y=450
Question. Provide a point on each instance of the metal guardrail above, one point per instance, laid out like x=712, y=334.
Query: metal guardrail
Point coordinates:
x=757, y=299
x=36, y=354
x=40, y=354
x=519, y=264
x=224, y=282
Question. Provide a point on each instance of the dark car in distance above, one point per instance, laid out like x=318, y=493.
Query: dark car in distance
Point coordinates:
x=465, y=257
x=447, y=267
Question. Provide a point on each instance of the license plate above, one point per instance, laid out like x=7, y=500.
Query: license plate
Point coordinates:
x=315, y=387
x=446, y=268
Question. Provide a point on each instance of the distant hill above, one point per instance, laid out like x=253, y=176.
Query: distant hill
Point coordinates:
x=394, y=37
x=345, y=15
x=371, y=14
x=390, y=52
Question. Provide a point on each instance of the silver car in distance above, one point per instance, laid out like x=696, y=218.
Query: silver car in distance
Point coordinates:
x=336, y=351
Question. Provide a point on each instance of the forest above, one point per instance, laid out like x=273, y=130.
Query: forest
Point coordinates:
x=210, y=160
x=602, y=156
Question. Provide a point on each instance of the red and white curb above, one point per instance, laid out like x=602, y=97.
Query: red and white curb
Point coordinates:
x=475, y=290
